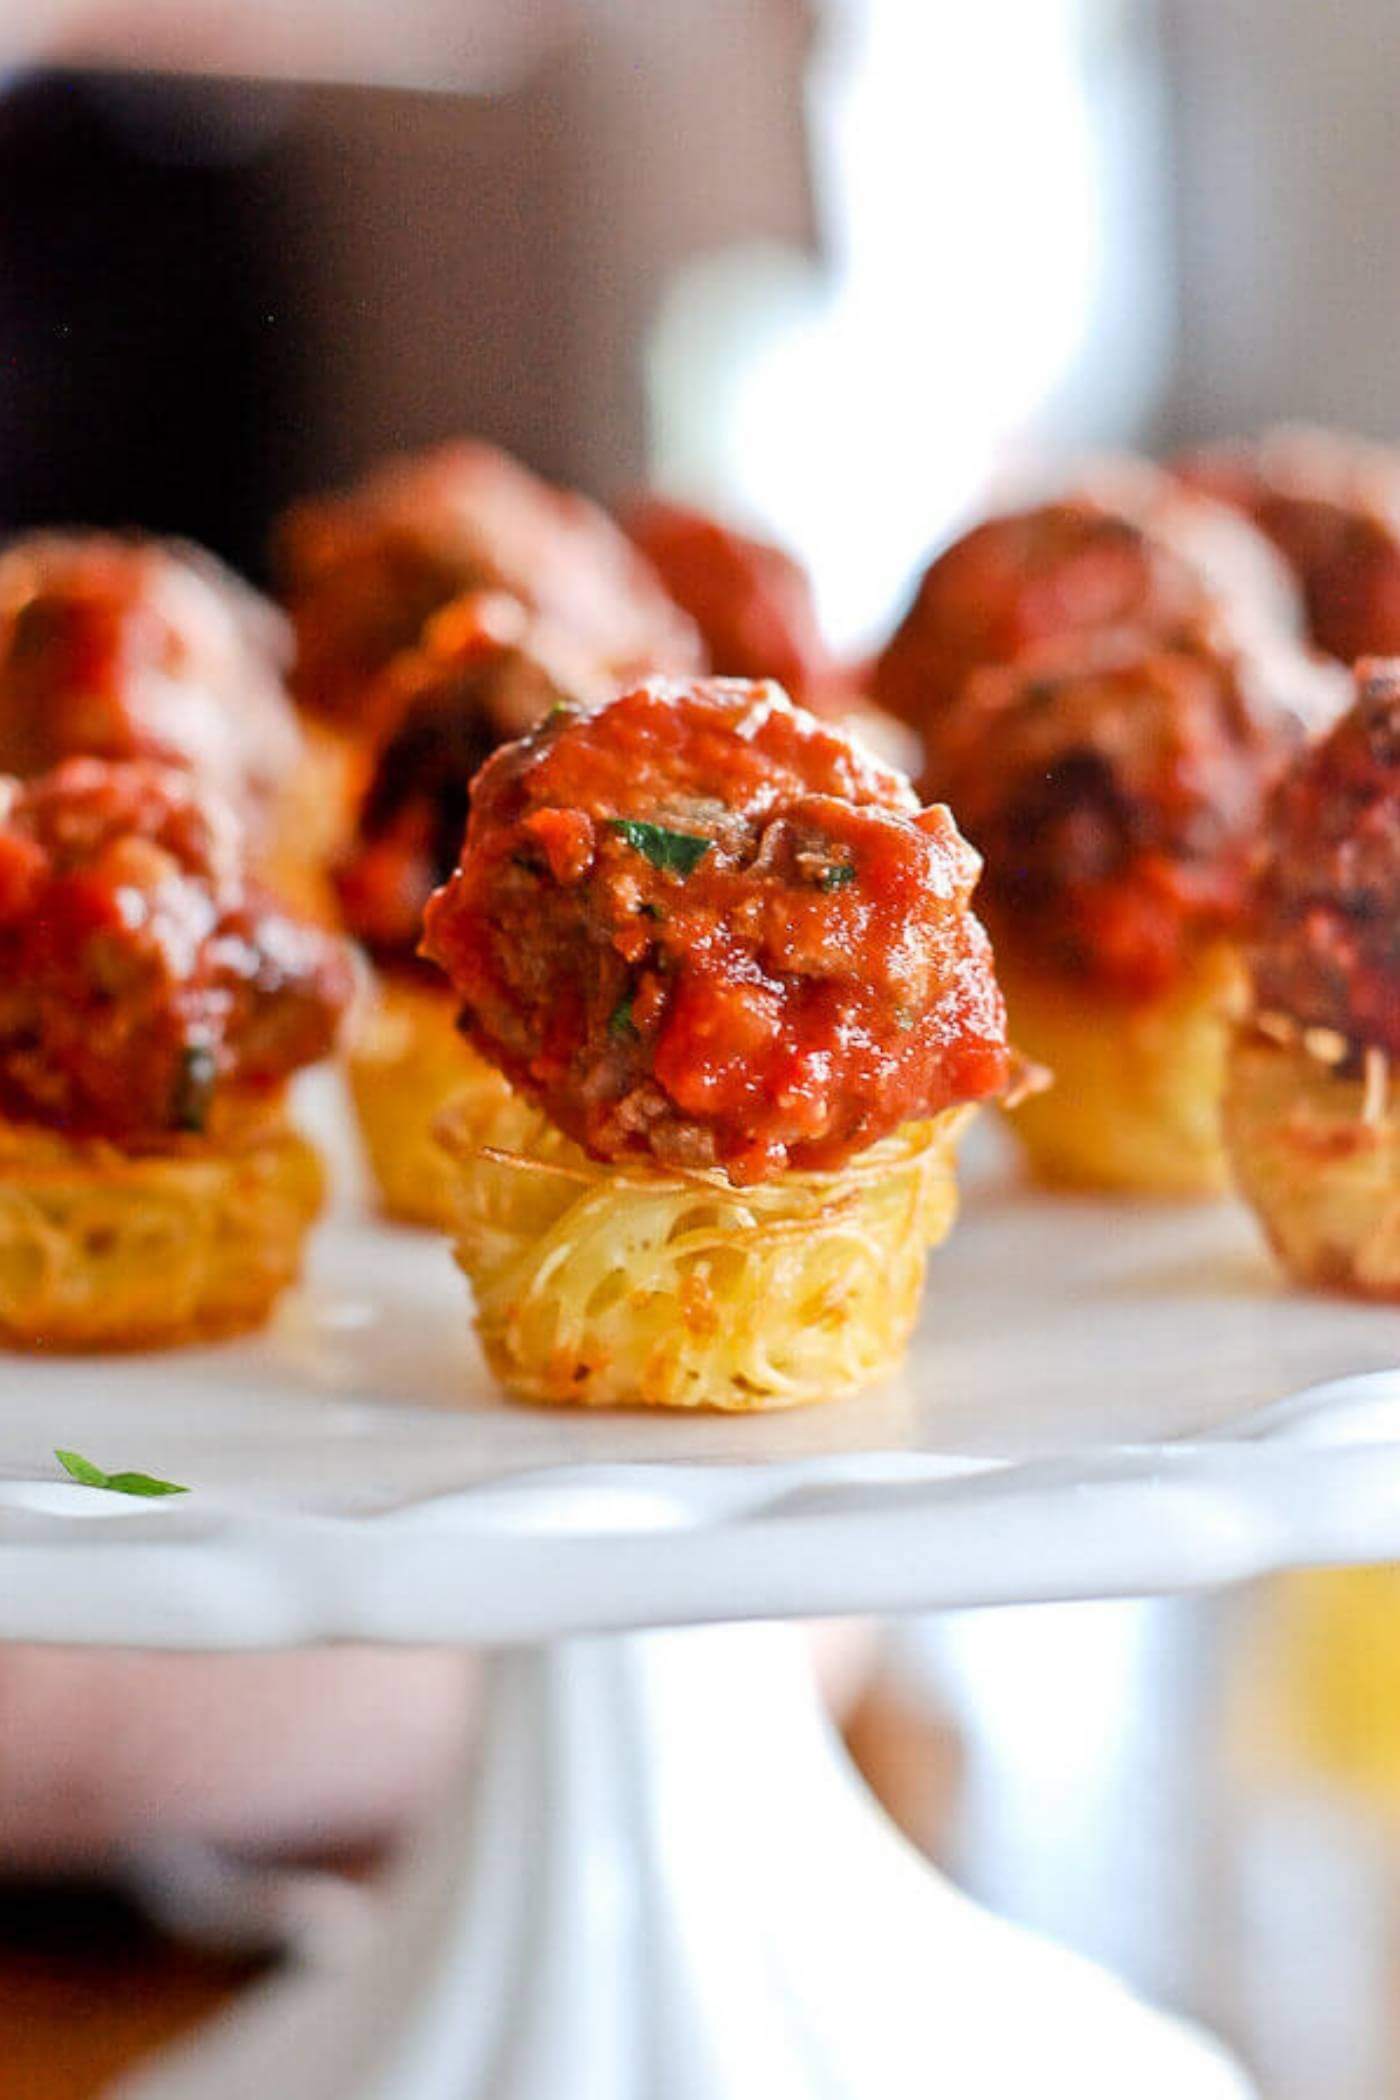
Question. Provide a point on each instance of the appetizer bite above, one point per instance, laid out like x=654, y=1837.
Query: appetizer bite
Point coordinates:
x=1312, y=1108
x=153, y=1005
x=484, y=673
x=1115, y=787
x=364, y=571
x=1129, y=549
x=730, y=976
x=1331, y=505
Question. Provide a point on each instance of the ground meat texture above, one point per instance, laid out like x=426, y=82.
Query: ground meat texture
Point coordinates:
x=126, y=648
x=1332, y=507
x=141, y=976
x=700, y=927
x=1129, y=548
x=1326, y=950
x=751, y=602
x=1115, y=787
x=485, y=672
x=363, y=571
x=1069, y=567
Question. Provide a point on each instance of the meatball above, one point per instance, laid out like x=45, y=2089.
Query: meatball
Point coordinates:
x=364, y=570
x=1115, y=785
x=484, y=673
x=1127, y=550
x=751, y=602
x=698, y=926
x=1332, y=507
x=1326, y=947
x=127, y=648
x=141, y=975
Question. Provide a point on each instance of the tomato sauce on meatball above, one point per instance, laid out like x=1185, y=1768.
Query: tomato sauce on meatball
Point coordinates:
x=1326, y=949
x=751, y=602
x=484, y=673
x=364, y=570
x=1332, y=507
x=1115, y=786
x=126, y=648
x=1128, y=549
x=697, y=925
x=141, y=974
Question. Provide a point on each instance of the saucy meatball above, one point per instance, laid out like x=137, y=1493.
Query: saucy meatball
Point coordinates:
x=1129, y=550
x=1332, y=507
x=1115, y=785
x=484, y=673
x=751, y=602
x=364, y=570
x=1326, y=949
x=697, y=925
x=141, y=975
x=126, y=648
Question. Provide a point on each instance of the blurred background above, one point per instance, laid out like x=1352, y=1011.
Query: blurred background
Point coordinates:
x=843, y=267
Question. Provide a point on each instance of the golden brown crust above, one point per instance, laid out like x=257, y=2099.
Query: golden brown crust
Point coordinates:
x=605, y=1286
x=100, y=1250
x=1316, y=1153
x=1135, y=1103
x=406, y=1064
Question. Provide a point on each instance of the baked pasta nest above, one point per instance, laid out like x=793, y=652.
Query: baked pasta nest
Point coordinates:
x=1316, y=1153
x=406, y=1063
x=1135, y=1106
x=103, y=1249
x=602, y=1286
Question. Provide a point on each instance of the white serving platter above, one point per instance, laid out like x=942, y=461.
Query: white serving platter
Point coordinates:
x=1080, y=1415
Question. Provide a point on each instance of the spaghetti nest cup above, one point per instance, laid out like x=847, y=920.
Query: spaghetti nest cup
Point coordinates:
x=153, y=1005
x=730, y=975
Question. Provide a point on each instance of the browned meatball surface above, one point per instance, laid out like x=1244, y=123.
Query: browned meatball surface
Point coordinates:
x=751, y=602
x=484, y=672
x=1326, y=950
x=364, y=570
x=123, y=648
x=141, y=975
x=1115, y=786
x=698, y=925
x=1129, y=548
x=1332, y=506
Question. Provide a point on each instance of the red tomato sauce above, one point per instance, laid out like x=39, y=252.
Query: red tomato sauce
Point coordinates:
x=127, y=648
x=697, y=925
x=1116, y=786
x=141, y=976
x=1326, y=947
x=484, y=672
x=364, y=570
x=1331, y=505
x=751, y=602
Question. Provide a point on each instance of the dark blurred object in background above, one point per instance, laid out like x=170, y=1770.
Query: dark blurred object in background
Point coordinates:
x=217, y=294
x=148, y=308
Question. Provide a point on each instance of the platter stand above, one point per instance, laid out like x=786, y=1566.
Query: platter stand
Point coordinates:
x=659, y=1878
